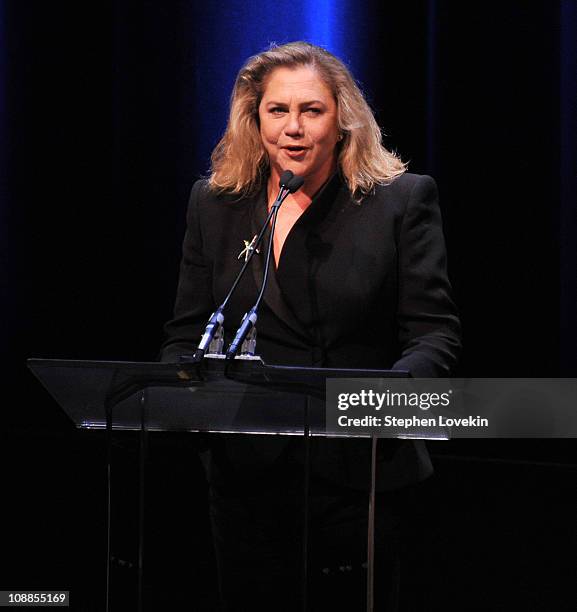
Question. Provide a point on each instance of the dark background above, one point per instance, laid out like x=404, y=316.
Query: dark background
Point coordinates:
x=109, y=111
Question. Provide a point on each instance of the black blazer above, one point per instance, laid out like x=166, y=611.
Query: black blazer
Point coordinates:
x=357, y=286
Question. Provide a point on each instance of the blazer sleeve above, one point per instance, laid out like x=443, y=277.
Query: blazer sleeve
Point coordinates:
x=194, y=302
x=427, y=320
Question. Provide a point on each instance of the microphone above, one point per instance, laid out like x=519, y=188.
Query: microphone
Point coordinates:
x=285, y=179
x=214, y=327
x=248, y=324
x=292, y=183
x=295, y=183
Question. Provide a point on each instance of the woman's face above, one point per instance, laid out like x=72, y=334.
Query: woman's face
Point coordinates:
x=298, y=124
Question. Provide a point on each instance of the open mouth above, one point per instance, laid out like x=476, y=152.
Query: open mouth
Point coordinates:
x=295, y=149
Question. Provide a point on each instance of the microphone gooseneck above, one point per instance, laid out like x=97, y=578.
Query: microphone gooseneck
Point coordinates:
x=215, y=323
x=250, y=318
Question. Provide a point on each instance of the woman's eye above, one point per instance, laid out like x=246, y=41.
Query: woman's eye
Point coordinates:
x=277, y=110
x=314, y=111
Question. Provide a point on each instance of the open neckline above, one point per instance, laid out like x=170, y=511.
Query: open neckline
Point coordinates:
x=313, y=206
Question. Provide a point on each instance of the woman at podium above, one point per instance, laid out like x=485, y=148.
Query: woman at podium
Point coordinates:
x=359, y=280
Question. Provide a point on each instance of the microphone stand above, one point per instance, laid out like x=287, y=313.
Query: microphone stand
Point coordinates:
x=213, y=331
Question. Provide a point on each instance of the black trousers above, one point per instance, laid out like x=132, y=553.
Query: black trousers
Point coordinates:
x=258, y=531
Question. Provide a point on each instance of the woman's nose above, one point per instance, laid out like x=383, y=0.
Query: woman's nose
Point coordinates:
x=293, y=126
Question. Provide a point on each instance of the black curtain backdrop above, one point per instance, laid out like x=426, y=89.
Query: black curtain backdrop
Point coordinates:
x=101, y=106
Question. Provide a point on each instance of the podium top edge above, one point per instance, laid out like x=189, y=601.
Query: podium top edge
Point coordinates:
x=33, y=362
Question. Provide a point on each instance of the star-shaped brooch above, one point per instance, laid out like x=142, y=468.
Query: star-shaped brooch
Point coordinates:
x=248, y=248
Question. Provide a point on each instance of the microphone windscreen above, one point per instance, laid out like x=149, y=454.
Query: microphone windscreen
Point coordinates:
x=295, y=183
x=285, y=178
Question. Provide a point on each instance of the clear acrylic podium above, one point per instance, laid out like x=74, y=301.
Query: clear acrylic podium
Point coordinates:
x=243, y=396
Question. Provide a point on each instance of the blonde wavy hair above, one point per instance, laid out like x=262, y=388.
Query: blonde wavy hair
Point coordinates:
x=239, y=160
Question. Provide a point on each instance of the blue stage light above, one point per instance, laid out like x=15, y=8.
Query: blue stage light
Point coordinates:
x=227, y=33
